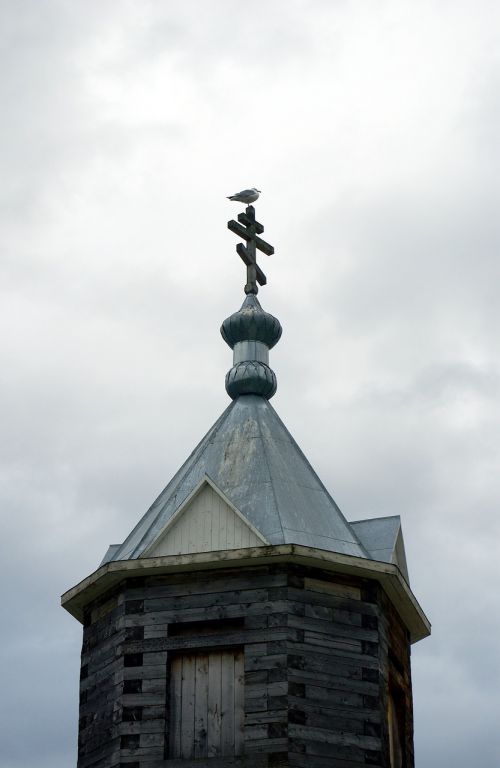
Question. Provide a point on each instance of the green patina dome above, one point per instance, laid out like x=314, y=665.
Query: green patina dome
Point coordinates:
x=251, y=323
x=251, y=378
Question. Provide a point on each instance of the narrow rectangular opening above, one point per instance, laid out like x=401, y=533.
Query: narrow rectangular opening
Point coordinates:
x=211, y=627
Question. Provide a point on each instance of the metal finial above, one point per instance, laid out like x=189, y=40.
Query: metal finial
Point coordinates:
x=249, y=229
x=251, y=333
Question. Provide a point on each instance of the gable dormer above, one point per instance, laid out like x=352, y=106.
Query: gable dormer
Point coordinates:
x=205, y=522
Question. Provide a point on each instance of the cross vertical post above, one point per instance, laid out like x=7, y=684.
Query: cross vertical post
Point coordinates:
x=249, y=230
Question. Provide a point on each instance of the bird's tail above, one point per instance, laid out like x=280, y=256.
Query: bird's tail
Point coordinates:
x=232, y=197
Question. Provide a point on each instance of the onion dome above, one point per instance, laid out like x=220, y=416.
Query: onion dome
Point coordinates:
x=251, y=333
x=251, y=323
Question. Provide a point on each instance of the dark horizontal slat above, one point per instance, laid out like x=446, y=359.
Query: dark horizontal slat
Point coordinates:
x=248, y=222
x=243, y=233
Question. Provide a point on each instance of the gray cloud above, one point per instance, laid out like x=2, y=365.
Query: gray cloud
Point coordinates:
x=372, y=131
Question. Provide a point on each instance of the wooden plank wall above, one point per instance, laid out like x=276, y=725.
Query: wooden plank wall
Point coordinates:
x=395, y=642
x=334, y=675
x=316, y=668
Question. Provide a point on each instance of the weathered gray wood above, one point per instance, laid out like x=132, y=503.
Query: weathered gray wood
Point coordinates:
x=354, y=606
x=253, y=761
x=204, y=600
x=187, y=707
x=326, y=736
x=332, y=681
x=180, y=585
x=247, y=220
x=329, y=628
x=260, y=244
x=206, y=641
x=175, y=707
x=267, y=745
x=330, y=659
x=248, y=258
x=239, y=703
x=276, y=716
x=277, y=661
x=146, y=727
x=214, y=705
x=227, y=704
x=319, y=663
x=248, y=253
x=201, y=706
x=325, y=759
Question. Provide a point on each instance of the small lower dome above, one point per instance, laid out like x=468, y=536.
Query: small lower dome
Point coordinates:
x=251, y=378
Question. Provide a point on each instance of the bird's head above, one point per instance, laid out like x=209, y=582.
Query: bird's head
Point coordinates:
x=256, y=190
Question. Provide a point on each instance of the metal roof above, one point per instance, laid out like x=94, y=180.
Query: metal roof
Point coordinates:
x=383, y=538
x=250, y=455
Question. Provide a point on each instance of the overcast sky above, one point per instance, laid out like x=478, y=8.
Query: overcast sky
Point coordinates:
x=372, y=129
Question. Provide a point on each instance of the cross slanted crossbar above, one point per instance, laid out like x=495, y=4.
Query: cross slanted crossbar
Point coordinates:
x=249, y=229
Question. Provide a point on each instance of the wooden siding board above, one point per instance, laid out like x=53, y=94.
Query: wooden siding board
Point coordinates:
x=332, y=629
x=206, y=523
x=253, y=761
x=310, y=761
x=201, y=706
x=355, y=606
x=227, y=597
x=187, y=707
x=332, y=588
x=239, y=703
x=231, y=581
x=210, y=613
x=175, y=707
x=227, y=703
x=179, y=643
x=214, y=705
x=269, y=716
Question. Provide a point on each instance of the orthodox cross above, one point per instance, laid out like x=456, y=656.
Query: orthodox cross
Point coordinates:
x=249, y=230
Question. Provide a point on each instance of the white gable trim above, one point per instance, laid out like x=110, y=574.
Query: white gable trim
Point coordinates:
x=205, y=481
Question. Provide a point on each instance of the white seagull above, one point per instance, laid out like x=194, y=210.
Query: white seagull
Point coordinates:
x=246, y=196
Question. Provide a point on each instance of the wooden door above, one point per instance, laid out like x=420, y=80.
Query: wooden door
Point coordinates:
x=207, y=705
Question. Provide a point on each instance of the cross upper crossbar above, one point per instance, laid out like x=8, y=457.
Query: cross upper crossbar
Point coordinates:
x=248, y=229
x=244, y=232
x=245, y=219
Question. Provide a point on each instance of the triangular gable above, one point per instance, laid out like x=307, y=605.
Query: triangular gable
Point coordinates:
x=205, y=522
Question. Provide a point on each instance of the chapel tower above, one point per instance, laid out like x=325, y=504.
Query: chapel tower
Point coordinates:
x=244, y=621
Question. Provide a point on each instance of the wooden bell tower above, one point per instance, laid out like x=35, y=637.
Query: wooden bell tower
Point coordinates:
x=244, y=621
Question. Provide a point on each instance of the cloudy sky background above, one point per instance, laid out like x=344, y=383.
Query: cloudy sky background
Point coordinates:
x=372, y=129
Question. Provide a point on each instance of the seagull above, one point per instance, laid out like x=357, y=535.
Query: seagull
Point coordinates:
x=246, y=196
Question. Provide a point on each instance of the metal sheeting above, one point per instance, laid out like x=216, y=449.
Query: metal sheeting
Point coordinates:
x=250, y=455
x=383, y=538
